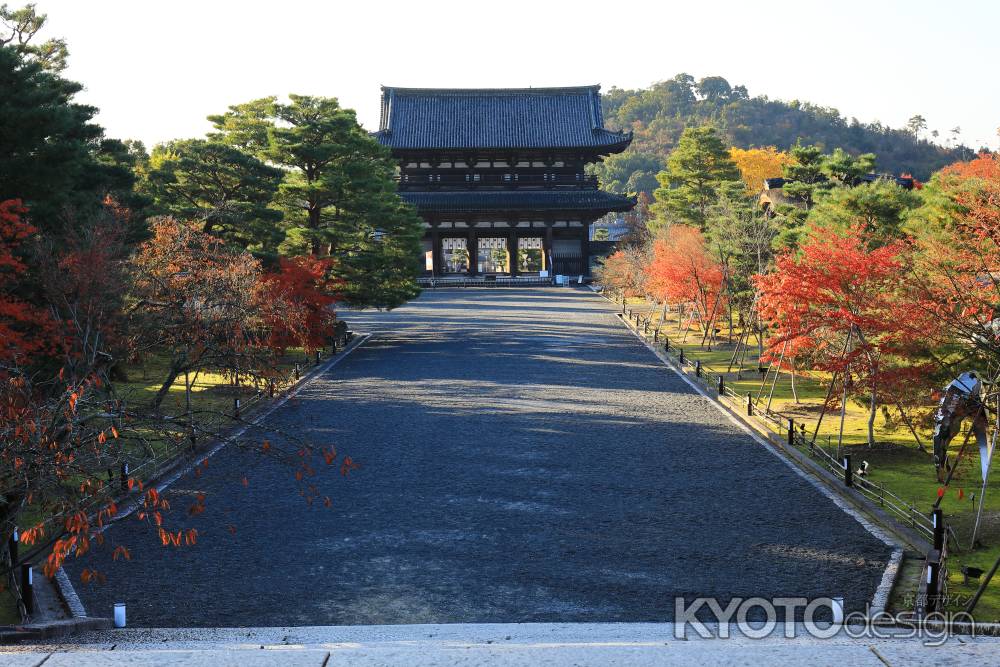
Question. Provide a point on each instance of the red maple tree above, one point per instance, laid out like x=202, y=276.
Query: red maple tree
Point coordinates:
x=842, y=307
x=303, y=282
x=25, y=329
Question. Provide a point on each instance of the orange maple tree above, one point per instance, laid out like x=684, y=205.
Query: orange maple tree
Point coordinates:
x=682, y=271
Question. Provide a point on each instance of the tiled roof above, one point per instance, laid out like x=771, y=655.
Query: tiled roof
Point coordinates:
x=515, y=200
x=434, y=118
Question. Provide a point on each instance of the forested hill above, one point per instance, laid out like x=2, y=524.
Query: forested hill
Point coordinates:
x=660, y=113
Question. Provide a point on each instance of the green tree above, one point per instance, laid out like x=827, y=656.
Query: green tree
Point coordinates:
x=842, y=168
x=715, y=88
x=626, y=173
x=18, y=28
x=53, y=157
x=916, y=124
x=809, y=179
x=880, y=208
x=338, y=193
x=226, y=189
x=741, y=238
x=695, y=169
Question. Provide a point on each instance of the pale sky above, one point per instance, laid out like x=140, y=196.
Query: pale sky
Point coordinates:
x=157, y=68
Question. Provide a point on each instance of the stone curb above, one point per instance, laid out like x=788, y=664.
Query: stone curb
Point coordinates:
x=12, y=634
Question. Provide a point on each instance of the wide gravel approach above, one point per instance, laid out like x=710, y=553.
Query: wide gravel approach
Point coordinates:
x=524, y=458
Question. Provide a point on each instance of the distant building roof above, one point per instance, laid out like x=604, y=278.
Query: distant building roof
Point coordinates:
x=506, y=118
x=513, y=200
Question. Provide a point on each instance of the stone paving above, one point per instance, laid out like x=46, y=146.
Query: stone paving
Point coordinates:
x=510, y=645
x=524, y=459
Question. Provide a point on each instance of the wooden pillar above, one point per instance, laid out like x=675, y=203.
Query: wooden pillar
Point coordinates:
x=547, y=250
x=512, y=247
x=436, y=268
x=473, y=247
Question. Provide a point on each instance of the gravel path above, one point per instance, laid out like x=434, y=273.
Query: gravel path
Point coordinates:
x=524, y=459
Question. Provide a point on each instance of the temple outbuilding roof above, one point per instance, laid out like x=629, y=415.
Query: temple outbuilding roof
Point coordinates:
x=496, y=119
x=514, y=200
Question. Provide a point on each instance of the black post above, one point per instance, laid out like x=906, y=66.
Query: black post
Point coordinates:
x=722, y=386
x=666, y=344
x=682, y=357
x=15, y=542
x=656, y=334
x=937, y=520
x=236, y=408
x=27, y=588
x=848, y=471
x=296, y=371
x=270, y=388
x=749, y=404
x=791, y=431
x=697, y=368
x=318, y=355
x=124, y=477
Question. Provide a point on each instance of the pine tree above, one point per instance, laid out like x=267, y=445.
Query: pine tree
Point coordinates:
x=695, y=169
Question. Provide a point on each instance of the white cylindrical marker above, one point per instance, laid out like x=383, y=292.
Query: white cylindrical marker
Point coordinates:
x=119, y=614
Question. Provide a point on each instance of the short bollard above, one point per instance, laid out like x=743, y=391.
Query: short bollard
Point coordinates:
x=722, y=386
x=697, y=368
x=296, y=371
x=124, y=476
x=791, y=431
x=749, y=405
x=681, y=357
x=270, y=388
x=666, y=344
x=848, y=471
x=27, y=588
x=119, y=614
x=318, y=355
x=656, y=334
x=236, y=408
x=933, y=575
